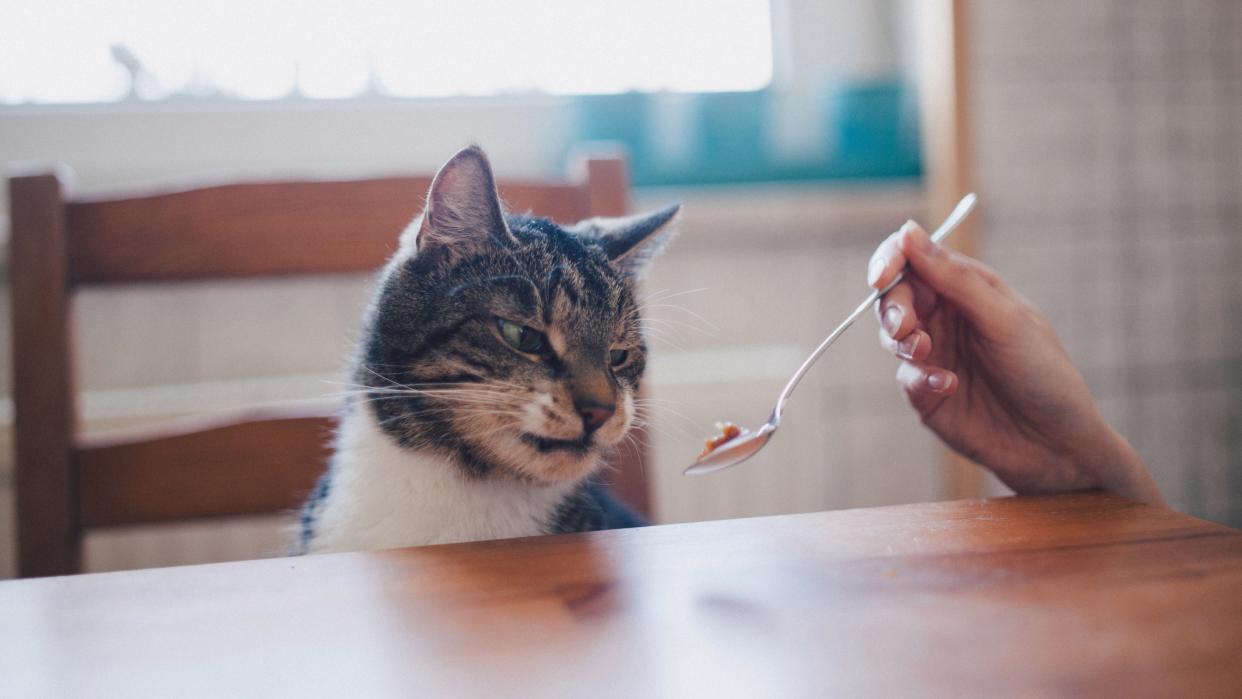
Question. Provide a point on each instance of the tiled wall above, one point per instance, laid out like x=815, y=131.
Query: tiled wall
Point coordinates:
x=1109, y=159
x=775, y=273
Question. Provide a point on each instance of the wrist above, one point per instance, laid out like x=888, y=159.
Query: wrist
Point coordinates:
x=1115, y=466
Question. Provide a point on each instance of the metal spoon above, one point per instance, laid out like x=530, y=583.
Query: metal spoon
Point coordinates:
x=748, y=443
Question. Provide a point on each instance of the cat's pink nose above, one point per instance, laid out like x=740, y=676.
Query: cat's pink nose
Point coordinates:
x=594, y=414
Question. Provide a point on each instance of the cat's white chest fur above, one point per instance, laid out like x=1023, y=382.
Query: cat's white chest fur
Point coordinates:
x=384, y=496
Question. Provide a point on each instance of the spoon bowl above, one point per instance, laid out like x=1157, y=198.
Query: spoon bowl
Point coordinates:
x=732, y=452
x=748, y=443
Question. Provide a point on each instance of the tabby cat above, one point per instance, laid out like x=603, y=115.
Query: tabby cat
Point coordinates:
x=500, y=359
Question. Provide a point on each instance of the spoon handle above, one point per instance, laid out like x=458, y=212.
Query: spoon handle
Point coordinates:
x=959, y=213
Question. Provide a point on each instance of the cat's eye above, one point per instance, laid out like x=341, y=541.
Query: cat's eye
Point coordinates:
x=520, y=337
x=618, y=357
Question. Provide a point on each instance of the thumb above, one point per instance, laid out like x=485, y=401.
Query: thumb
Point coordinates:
x=956, y=277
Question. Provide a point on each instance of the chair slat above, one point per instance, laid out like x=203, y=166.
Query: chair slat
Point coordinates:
x=265, y=229
x=246, y=463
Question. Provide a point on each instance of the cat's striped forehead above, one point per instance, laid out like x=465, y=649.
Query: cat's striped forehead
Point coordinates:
x=573, y=275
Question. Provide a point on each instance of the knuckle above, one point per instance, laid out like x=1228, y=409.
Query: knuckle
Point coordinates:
x=948, y=269
x=989, y=275
x=959, y=264
x=1028, y=314
x=887, y=342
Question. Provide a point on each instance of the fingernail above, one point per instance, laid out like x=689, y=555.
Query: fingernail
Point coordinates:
x=876, y=270
x=906, y=348
x=939, y=381
x=891, y=320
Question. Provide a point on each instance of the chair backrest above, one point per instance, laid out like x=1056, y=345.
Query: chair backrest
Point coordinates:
x=258, y=461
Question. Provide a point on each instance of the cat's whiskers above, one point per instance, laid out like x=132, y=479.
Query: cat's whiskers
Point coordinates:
x=445, y=395
x=462, y=409
x=507, y=427
x=436, y=388
x=465, y=410
x=644, y=308
x=666, y=294
x=643, y=411
x=454, y=412
x=459, y=388
x=632, y=440
x=425, y=385
x=665, y=405
x=663, y=337
x=666, y=431
x=650, y=322
x=402, y=368
x=645, y=400
x=384, y=378
x=684, y=425
x=438, y=385
x=499, y=382
x=674, y=323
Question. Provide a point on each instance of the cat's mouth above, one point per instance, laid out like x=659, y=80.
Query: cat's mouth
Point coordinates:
x=547, y=445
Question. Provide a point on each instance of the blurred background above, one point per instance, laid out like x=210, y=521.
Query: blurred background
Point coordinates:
x=1104, y=138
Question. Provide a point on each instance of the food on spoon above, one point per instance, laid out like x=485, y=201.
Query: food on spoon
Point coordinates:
x=728, y=433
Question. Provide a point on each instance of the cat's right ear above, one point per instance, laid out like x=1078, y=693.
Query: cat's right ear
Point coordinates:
x=463, y=214
x=630, y=242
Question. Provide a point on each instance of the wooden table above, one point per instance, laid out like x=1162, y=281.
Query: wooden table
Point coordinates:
x=1076, y=594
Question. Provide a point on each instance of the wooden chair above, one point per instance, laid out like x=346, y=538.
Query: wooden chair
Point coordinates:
x=261, y=461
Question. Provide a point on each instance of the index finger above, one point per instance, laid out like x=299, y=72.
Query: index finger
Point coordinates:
x=887, y=261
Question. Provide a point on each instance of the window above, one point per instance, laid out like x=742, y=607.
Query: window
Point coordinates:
x=59, y=51
x=700, y=91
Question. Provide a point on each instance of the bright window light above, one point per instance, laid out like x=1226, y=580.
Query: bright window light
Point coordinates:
x=57, y=51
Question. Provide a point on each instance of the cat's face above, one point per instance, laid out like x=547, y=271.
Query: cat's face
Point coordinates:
x=509, y=342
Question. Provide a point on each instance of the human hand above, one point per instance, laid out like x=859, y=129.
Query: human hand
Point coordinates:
x=986, y=373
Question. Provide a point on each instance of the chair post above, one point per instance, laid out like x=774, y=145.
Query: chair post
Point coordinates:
x=605, y=171
x=48, y=536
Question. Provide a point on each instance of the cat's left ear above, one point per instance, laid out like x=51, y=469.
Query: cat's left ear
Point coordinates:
x=630, y=242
